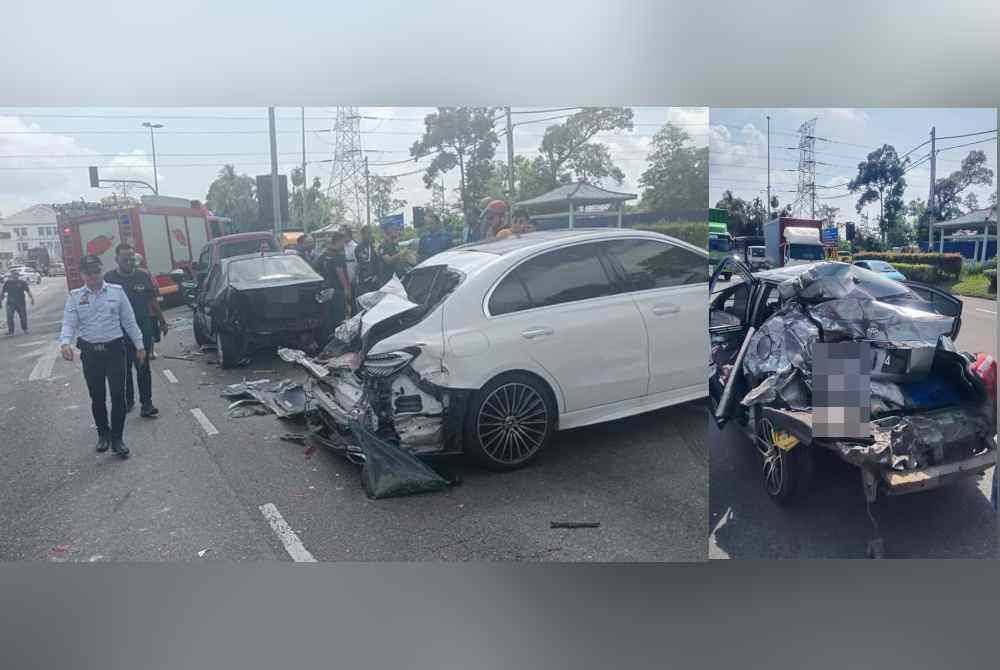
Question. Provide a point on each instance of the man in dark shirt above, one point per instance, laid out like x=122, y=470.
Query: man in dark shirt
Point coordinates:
x=142, y=294
x=394, y=260
x=332, y=265
x=367, y=258
x=434, y=240
x=14, y=290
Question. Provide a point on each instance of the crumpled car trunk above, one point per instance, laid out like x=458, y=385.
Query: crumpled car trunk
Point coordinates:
x=927, y=409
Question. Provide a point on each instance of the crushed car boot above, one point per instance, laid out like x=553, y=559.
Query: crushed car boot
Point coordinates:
x=118, y=447
x=103, y=442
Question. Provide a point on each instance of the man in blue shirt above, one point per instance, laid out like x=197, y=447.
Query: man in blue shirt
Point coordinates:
x=96, y=315
x=433, y=240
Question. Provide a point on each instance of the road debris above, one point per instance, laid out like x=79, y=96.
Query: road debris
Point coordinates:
x=285, y=398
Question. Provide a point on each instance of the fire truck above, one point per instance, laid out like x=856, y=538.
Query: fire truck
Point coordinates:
x=169, y=233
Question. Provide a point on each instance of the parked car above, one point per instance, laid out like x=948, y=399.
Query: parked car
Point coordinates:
x=883, y=268
x=57, y=270
x=237, y=244
x=26, y=273
x=490, y=348
x=757, y=258
x=932, y=416
x=255, y=300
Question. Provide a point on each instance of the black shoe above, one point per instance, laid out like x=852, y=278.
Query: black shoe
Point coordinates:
x=148, y=411
x=118, y=446
x=103, y=442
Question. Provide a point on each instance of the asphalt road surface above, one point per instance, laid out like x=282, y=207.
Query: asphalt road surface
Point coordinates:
x=832, y=522
x=201, y=486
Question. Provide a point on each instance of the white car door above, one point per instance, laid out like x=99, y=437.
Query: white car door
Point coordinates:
x=560, y=308
x=669, y=284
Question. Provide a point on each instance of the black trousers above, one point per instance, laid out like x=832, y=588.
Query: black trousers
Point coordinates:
x=143, y=375
x=22, y=312
x=104, y=368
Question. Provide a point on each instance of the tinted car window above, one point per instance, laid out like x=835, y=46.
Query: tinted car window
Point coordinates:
x=242, y=247
x=509, y=296
x=267, y=269
x=565, y=275
x=650, y=264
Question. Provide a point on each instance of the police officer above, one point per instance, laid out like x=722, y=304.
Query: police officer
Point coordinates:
x=96, y=315
x=142, y=294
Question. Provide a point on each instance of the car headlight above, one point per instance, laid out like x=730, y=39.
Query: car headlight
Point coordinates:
x=387, y=364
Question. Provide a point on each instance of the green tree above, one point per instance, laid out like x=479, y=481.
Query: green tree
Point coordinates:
x=827, y=213
x=737, y=208
x=970, y=202
x=918, y=216
x=234, y=196
x=567, y=151
x=948, y=191
x=677, y=176
x=311, y=209
x=461, y=137
x=382, y=192
x=777, y=210
x=880, y=178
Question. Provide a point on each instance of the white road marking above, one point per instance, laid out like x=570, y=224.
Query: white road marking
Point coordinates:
x=170, y=376
x=204, y=422
x=293, y=545
x=43, y=368
x=35, y=343
x=988, y=311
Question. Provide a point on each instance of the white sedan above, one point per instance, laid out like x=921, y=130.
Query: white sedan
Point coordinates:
x=489, y=348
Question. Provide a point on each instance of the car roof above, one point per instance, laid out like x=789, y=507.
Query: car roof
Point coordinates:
x=778, y=275
x=239, y=237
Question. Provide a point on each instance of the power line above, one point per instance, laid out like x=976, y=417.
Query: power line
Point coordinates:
x=968, y=144
x=981, y=132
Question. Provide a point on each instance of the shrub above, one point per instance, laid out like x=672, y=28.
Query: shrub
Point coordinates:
x=921, y=272
x=946, y=264
x=692, y=232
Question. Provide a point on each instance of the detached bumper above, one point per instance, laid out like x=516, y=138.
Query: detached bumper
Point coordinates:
x=899, y=483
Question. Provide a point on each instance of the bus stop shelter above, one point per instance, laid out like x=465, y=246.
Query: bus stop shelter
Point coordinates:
x=972, y=227
x=580, y=194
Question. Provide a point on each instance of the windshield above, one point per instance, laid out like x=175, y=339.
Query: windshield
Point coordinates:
x=880, y=266
x=719, y=244
x=267, y=269
x=805, y=252
x=429, y=285
x=241, y=247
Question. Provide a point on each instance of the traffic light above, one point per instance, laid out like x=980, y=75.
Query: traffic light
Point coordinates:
x=94, y=179
x=849, y=232
x=418, y=217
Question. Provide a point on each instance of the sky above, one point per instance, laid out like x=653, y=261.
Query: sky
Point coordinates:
x=738, y=149
x=44, y=152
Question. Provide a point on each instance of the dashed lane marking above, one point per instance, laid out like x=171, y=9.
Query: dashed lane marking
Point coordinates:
x=293, y=545
x=170, y=376
x=988, y=311
x=43, y=368
x=204, y=422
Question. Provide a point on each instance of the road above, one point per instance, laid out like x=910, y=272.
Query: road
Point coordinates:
x=832, y=522
x=208, y=487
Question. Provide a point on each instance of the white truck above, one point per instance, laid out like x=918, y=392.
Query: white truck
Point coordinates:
x=791, y=241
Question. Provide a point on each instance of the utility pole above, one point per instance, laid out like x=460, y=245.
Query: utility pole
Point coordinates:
x=275, y=205
x=305, y=182
x=368, y=200
x=510, y=164
x=931, y=195
x=768, y=208
x=152, y=141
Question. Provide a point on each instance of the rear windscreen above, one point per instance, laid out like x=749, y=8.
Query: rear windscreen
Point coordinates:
x=267, y=269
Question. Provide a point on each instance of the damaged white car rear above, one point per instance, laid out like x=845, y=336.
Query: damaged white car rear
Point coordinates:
x=490, y=348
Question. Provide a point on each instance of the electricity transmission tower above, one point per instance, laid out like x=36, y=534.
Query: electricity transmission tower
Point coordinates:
x=347, y=169
x=805, y=194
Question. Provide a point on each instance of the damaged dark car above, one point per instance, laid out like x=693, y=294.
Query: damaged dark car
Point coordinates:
x=932, y=411
x=257, y=300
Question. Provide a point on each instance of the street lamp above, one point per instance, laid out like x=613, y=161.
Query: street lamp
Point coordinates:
x=151, y=126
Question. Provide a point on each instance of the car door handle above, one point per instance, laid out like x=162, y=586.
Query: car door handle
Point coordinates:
x=665, y=309
x=532, y=333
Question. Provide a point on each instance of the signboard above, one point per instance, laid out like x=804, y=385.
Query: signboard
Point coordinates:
x=395, y=221
x=829, y=235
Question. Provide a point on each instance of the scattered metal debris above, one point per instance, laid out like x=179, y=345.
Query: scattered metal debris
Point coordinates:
x=285, y=398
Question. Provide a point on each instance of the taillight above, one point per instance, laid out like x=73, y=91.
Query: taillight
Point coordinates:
x=985, y=367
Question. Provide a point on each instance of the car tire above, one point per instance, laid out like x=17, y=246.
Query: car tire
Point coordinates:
x=509, y=422
x=200, y=336
x=231, y=349
x=785, y=474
